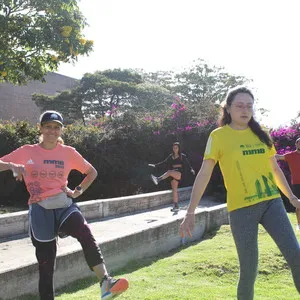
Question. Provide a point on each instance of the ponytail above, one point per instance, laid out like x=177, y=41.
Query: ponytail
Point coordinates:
x=261, y=134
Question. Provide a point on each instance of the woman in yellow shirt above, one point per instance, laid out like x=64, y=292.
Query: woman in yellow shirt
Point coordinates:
x=251, y=177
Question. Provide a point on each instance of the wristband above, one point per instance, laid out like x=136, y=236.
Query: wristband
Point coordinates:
x=79, y=189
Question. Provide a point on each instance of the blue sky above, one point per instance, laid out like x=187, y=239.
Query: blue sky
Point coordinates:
x=256, y=39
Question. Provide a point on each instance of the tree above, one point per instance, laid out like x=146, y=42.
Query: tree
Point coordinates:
x=104, y=92
x=36, y=35
x=96, y=95
x=203, y=84
x=161, y=78
x=67, y=102
x=151, y=98
x=205, y=87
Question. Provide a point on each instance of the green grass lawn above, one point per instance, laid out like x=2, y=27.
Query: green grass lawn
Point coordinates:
x=204, y=270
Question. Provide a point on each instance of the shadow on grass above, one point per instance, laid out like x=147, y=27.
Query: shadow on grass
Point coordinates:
x=130, y=267
x=69, y=289
x=137, y=264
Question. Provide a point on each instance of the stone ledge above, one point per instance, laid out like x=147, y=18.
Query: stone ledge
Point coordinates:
x=152, y=240
x=17, y=223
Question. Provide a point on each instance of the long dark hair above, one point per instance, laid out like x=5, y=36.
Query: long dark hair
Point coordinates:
x=179, y=149
x=225, y=117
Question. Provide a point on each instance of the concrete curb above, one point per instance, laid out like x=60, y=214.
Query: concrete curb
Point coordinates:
x=17, y=223
x=156, y=239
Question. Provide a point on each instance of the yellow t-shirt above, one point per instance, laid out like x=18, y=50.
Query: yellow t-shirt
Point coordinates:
x=245, y=165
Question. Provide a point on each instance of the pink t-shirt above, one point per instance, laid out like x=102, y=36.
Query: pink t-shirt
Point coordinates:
x=47, y=170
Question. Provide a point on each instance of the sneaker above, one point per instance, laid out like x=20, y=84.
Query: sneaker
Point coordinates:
x=154, y=179
x=298, y=227
x=175, y=208
x=111, y=288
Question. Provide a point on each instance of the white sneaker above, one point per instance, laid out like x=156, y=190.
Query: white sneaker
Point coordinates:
x=154, y=179
x=175, y=208
x=298, y=227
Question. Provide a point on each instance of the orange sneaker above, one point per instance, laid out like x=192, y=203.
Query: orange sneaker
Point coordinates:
x=111, y=288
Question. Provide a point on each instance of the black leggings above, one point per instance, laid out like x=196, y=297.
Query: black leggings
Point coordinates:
x=76, y=227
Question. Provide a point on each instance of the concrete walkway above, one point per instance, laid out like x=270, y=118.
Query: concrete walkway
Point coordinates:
x=122, y=238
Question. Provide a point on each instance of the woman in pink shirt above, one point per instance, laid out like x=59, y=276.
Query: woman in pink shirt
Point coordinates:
x=45, y=167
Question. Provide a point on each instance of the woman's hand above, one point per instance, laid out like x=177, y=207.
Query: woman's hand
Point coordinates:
x=71, y=193
x=18, y=171
x=151, y=165
x=187, y=225
x=295, y=201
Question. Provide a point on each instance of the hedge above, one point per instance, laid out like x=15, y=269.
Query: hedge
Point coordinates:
x=120, y=149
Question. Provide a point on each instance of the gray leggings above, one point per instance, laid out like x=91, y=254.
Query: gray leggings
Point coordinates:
x=244, y=226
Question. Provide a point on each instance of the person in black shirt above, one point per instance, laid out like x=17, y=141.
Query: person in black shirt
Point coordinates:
x=176, y=162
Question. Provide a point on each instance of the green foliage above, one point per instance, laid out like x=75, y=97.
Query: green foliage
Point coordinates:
x=120, y=148
x=203, y=84
x=37, y=35
x=123, y=76
x=95, y=95
x=284, y=139
x=151, y=98
x=12, y=136
x=101, y=93
x=161, y=78
x=121, y=120
x=68, y=103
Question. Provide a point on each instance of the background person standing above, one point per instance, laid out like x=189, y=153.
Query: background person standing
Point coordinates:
x=293, y=161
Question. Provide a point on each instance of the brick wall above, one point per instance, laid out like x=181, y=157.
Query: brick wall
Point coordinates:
x=16, y=102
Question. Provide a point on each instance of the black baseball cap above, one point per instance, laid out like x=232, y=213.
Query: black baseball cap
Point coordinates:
x=51, y=116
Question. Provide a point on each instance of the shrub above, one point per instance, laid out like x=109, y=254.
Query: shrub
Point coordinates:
x=284, y=141
x=120, y=148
